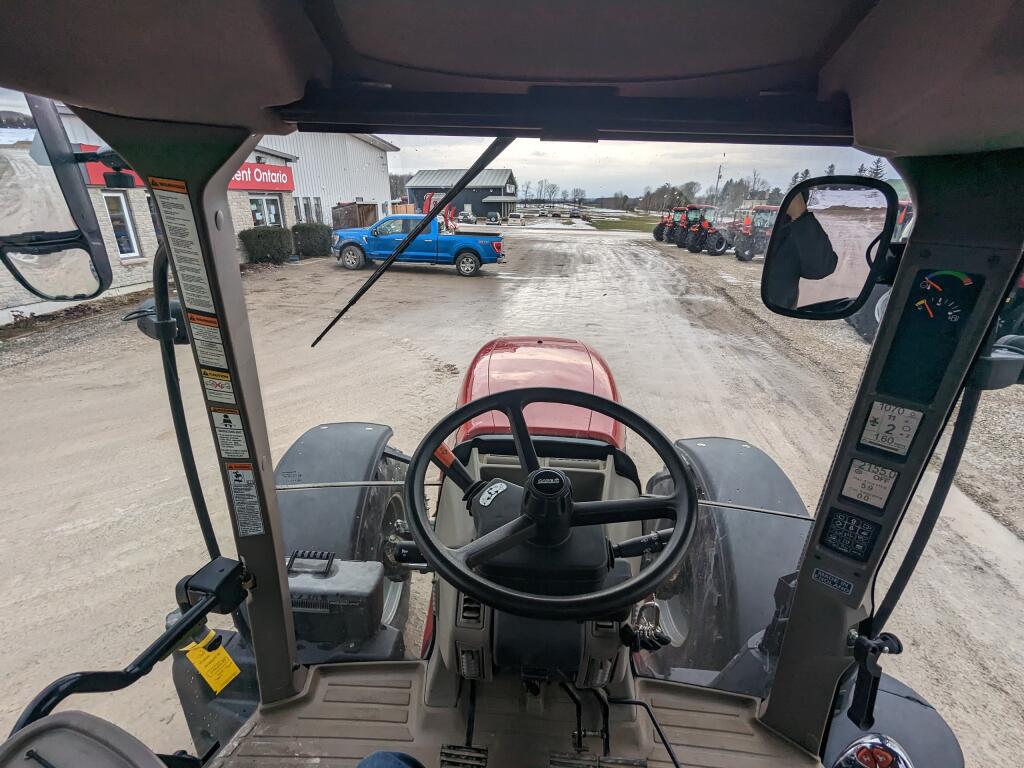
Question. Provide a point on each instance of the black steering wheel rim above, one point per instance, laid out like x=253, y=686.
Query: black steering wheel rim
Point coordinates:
x=447, y=562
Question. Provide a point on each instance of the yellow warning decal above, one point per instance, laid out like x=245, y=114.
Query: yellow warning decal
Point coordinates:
x=217, y=385
x=168, y=185
x=216, y=667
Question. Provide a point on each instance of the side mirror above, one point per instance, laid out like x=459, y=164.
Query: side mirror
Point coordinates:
x=822, y=260
x=373, y=231
x=59, y=266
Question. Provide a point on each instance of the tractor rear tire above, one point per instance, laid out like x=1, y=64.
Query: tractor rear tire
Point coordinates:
x=352, y=257
x=659, y=232
x=718, y=244
x=693, y=244
x=680, y=238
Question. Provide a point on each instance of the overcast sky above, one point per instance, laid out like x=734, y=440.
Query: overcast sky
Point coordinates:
x=607, y=167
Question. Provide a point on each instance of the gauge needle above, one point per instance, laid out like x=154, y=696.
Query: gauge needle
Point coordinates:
x=924, y=303
x=933, y=284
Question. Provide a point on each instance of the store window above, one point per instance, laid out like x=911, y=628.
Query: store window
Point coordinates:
x=298, y=209
x=121, y=222
x=319, y=210
x=307, y=209
x=266, y=210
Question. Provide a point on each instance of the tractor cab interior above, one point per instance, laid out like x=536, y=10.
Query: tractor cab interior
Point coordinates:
x=580, y=614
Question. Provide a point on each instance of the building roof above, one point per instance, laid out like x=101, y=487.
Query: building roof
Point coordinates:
x=500, y=199
x=376, y=141
x=491, y=177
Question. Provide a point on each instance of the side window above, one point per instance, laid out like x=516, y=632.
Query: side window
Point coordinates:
x=390, y=227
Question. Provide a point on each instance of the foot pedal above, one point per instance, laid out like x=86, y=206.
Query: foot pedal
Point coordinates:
x=456, y=756
x=572, y=760
x=587, y=760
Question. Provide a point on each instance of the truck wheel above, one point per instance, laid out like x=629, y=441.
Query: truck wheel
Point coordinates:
x=659, y=232
x=718, y=245
x=352, y=257
x=467, y=264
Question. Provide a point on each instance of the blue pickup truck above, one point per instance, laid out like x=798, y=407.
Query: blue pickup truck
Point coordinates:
x=435, y=245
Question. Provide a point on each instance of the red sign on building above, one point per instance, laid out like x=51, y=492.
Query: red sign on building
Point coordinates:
x=251, y=176
x=263, y=177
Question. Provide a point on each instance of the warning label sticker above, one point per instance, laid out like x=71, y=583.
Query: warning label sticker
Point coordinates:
x=227, y=423
x=245, y=499
x=171, y=197
x=218, y=386
x=207, y=339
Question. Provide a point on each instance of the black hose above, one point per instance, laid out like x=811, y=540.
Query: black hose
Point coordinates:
x=161, y=298
x=957, y=441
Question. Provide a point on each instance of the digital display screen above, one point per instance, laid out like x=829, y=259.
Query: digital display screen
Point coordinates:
x=890, y=427
x=850, y=535
x=929, y=330
x=869, y=483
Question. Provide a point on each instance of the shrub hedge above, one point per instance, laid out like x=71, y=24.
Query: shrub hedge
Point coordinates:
x=312, y=240
x=263, y=244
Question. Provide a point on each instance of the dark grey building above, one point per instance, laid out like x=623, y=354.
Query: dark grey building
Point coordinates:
x=492, y=190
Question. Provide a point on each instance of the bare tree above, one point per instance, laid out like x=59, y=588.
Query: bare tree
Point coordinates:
x=551, y=191
x=565, y=194
x=578, y=193
x=542, y=187
x=756, y=185
x=526, y=189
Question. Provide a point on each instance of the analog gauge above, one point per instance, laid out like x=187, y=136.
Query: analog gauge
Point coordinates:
x=931, y=322
x=941, y=295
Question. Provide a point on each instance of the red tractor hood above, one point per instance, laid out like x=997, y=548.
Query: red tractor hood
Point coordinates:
x=541, y=361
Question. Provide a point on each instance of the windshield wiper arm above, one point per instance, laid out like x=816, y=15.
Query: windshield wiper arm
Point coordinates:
x=496, y=147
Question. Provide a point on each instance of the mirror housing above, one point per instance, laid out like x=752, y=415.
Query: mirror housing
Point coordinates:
x=59, y=266
x=819, y=263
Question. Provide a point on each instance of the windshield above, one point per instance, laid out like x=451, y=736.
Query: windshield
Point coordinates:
x=693, y=215
x=684, y=335
x=764, y=219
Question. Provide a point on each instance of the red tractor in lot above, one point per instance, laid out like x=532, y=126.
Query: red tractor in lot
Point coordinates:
x=700, y=233
x=666, y=228
x=751, y=237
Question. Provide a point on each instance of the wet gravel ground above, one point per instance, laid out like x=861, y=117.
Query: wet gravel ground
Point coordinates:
x=95, y=520
x=992, y=469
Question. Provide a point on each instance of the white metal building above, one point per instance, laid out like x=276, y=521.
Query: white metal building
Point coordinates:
x=286, y=179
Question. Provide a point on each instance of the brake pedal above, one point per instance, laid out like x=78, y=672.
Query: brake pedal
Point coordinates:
x=458, y=756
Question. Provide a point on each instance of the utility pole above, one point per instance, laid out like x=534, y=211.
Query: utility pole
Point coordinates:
x=719, y=178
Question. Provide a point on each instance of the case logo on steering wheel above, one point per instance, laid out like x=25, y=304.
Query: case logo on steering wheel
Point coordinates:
x=490, y=493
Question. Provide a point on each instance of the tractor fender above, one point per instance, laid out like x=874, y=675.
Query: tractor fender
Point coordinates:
x=346, y=521
x=738, y=556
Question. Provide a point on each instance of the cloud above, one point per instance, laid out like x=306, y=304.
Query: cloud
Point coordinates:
x=629, y=166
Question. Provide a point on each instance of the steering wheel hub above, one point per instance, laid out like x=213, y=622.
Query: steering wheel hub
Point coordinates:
x=547, y=501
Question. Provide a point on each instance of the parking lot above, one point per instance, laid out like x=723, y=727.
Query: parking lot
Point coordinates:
x=97, y=525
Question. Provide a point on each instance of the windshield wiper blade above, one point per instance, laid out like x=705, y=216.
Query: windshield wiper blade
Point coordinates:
x=496, y=147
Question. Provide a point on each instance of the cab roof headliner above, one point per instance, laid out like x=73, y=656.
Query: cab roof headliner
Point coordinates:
x=896, y=77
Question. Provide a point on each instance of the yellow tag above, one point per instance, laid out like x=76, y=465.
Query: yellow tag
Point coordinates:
x=217, y=668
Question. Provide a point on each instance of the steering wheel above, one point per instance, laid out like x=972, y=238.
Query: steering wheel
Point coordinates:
x=548, y=512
